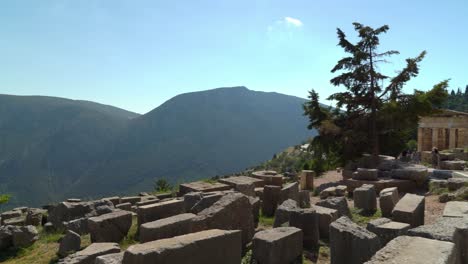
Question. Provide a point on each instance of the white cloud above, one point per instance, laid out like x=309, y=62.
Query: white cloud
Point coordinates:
x=293, y=21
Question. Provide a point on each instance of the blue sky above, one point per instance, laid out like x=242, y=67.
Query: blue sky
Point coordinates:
x=138, y=54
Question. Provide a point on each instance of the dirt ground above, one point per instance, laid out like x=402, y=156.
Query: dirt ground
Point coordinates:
x=434, y=208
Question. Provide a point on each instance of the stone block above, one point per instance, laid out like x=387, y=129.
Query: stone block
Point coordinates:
x=202, y=186
x=90, y=253
x=235, y=180
x=338, y=203
x=130, y=199
x=456, y=209
x=350, y=243
x=167, y=227
x=365, y=198
x=24, y=236
x=278, y=245
x=418, y=175
x=304, y=199
x=388, y=198
x=307, y=179
x=328, y=192
x=115, y=200
x=326, y=217
x=232, y=212
x=290, y=191
x=79, y=226
x=415, y=250
x=153, y=212
x=366, y=174
x=124, y=206
x=388, y=231
x=442, y=174
x=70, y=243
x=255, y=203
x=454, y=184
x=341, y=190
x=115, y=258
x=269, y=177
x=283, y=211
x=410, y=210
x=209, y=246
x=308, y=221
x=111, y=227
x=271, y=199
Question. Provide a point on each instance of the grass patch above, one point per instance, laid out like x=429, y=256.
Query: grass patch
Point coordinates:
x=266, y=220
x=437, y=190
x=42, y=252
x=211, y=181
x=130, y=239
x=362, y=218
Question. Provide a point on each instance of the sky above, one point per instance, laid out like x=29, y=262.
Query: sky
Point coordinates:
x=136, y=54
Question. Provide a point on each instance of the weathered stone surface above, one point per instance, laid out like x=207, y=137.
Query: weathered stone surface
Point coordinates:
x=388, y=231
x=115, y=200
x=22, y=209
x=79, y=226
x=202, y=186
x=283, y=211
x=34, y=216
x=167, y=227
x=124, y=206
x=443, y=229
x=365, y=174
x=415, y=250
x=442, y=174
x=410, y=210
x=304, y=199
x=130, y=199
x=147, y=201
x=6, y=237
x=328, y=192
x=232, y=212
x=65, y=212
x=243, y=184
x=24, y=236
x=191, y=199
x=326, y=217
x=307, y=179
x=456, y=209
x=388, y=198
x=277, y=246
x=338, y=203
x=350, y=243
x=340, y=190
x=115, y=258
x=49, y=227
x=255, y=203
x=382, y=183
x=69, y=243
x=17, y=221
x=308, y=221
x=454, y=184
x=111, y=227
x=209, y=246
x=290, y=191
x=73, y=200
x=207, y=200
x=269, y=177
x=9, y=215
x=365, y=198
x=418, y=175
x=153, y=212
x=89, y=254
x=271, y=198
x=452, y=165
x=242, y=179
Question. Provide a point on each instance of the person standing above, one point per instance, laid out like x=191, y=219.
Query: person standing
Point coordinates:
x=435, y=158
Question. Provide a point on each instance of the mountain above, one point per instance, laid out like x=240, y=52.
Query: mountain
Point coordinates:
x=102, y=151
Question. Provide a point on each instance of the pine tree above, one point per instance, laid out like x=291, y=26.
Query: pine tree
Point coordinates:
x=359, y=75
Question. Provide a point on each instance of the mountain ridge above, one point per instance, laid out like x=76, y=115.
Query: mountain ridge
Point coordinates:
x=193, y=135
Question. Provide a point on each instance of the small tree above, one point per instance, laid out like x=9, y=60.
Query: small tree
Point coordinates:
x=161, y=185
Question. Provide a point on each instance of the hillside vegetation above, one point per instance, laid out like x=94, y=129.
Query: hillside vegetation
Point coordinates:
x=54, y=148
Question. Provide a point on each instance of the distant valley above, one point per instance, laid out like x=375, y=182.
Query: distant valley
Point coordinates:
x=54, y=148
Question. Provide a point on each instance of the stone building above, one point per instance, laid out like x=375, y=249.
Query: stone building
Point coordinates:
x=445, y=130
